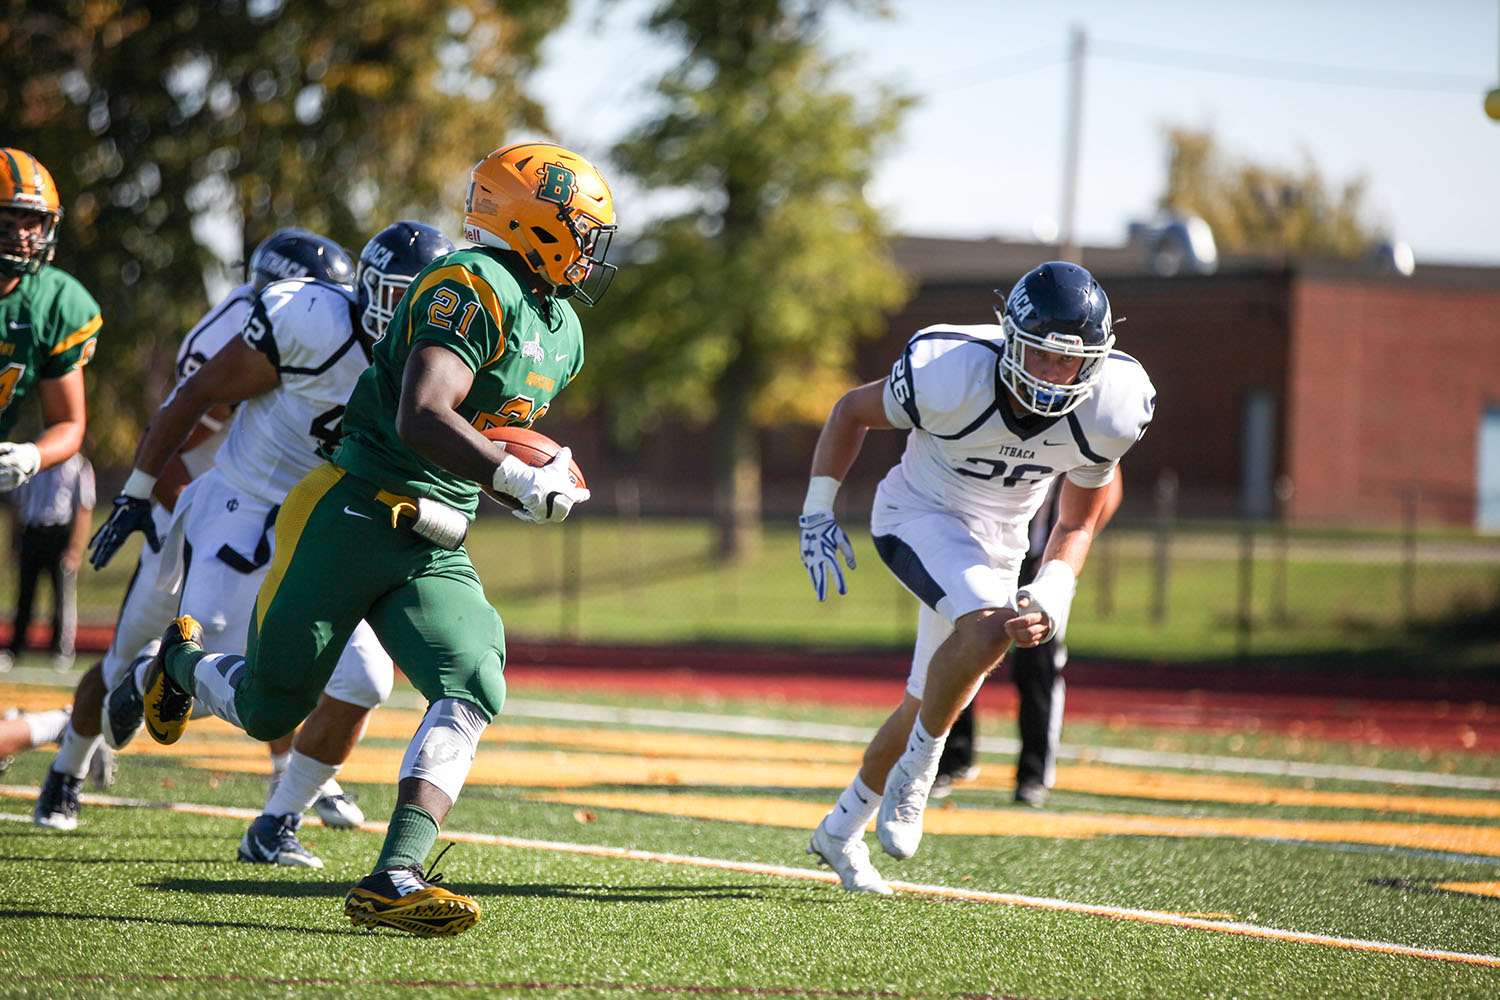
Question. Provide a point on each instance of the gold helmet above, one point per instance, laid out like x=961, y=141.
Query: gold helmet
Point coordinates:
x=27, y=186
x=550, y=206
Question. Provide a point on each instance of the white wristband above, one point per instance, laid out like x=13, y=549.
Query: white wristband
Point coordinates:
x=821, y=491
x=139, y=485
x=1053, y=586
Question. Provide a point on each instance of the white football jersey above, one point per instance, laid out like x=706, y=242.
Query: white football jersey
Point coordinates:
x=307, y=330
x=969, y=453
x=219, y=326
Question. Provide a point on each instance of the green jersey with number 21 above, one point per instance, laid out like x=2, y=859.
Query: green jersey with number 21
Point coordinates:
x=523, y=350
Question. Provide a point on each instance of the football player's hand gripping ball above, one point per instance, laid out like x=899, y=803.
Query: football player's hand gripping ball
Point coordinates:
x=547, y=492
x=823, y=541
x=18, y=463
x=131, y=514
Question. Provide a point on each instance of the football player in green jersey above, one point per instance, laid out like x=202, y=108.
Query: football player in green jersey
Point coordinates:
x=483, y=336
x=48, y=323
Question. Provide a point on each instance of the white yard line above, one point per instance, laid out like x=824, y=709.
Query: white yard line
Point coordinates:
x=807, y=874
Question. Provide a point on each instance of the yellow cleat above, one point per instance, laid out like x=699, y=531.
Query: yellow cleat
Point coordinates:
x=402, y=898
x=168, y=704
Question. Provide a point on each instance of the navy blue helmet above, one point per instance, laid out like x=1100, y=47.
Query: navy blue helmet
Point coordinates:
x=1060, y=308
x=388, y=264
x=297, y=253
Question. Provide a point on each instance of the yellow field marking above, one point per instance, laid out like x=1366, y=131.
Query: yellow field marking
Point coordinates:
x=1474, y=888
x=1029, y=823
x=1175, y=786
x=517, y=755
x=1205, y=922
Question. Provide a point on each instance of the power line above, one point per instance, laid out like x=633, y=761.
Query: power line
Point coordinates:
x=988, y=72
x=1273, y=69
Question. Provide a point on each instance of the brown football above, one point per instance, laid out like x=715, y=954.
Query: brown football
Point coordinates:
x=531, y=447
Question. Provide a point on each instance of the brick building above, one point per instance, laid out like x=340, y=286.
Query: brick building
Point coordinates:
x=1364, y=392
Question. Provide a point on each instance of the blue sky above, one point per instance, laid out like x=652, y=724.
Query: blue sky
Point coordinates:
x=1387, y=90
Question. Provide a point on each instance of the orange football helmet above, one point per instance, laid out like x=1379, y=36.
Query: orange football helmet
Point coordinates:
x=550, y=206
x=25, y=185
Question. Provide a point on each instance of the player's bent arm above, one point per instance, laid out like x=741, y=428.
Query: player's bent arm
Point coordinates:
x=236, y=373
x=64, y=417
x=171, y=482
x=843, y=434
x=1045, y=601
x=433, y=384
x=1080, y=515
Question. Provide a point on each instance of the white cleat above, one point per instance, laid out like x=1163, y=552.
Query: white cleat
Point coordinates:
x=336, y=809
x=851, y=859
x=898, y=823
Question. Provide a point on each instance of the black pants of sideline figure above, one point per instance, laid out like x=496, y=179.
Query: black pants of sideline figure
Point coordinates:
x=42, y=548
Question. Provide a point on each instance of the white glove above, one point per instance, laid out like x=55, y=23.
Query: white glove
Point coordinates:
x=1050, y=592
x=547, y=492
x=822, y=543
x=18, y=463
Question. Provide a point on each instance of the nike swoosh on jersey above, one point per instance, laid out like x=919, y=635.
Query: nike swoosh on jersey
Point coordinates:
x=351, y=511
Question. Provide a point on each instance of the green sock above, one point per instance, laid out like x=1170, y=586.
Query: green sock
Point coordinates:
x=180, y=661
x=408, y=839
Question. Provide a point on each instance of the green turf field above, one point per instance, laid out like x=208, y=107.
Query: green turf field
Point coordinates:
x=615, y=861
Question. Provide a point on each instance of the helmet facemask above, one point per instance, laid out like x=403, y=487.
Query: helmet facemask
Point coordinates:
x=378, y=294
x=588, y=277
x=1050, y=399
x=20, y=254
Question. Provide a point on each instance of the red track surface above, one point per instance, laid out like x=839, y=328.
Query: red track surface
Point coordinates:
x=1438, y=713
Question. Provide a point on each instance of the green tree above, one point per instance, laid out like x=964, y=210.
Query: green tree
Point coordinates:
x=160, y=121
x=740, y=310
x=1255, y=207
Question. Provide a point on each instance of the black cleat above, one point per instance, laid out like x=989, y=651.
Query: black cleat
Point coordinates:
x=124, y=710
x=272, y=840
x=167, y=703
x=1032, y=793
x=57, y=806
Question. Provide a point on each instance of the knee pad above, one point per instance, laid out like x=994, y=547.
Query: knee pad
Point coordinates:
x=442, y=751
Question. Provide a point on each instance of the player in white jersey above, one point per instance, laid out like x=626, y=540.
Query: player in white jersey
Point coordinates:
x=994, y=414
x=152, y=595
x=303, y=347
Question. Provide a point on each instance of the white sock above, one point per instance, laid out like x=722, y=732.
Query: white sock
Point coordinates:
x=73, y=756
x=924, y=749
x=856, y=807
x=48, y=726
x=299, y=785
x=279, y=762
x=215, y=677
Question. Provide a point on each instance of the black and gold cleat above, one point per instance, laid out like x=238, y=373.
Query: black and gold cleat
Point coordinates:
x=168, y=704
x=403, y=898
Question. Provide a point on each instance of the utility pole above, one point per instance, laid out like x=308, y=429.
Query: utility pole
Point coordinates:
x=1071, y=250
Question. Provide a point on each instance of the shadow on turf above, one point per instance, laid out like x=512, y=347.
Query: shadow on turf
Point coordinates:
x=281, y=888
x=116, y=918
x=618, y=893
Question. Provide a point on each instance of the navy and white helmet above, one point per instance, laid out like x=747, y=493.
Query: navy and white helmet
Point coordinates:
x=297, y=253
x=1057, y=307
x=388, y=264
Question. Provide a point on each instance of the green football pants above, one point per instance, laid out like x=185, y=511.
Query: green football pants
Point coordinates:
x=342, y=555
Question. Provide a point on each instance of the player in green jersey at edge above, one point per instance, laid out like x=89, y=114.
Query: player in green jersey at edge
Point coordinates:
x=483, y=336
x=49, y=324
